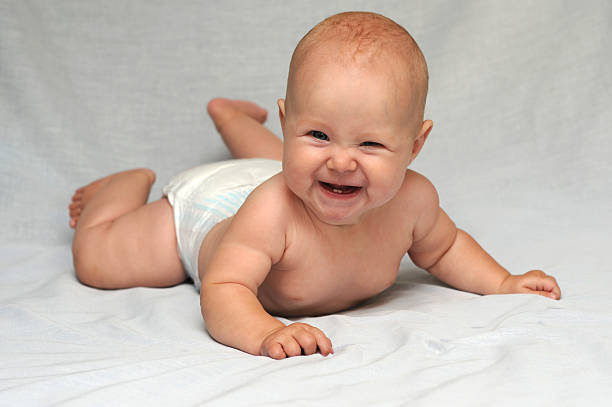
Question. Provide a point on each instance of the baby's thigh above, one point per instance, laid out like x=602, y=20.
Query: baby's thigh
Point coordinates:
x=144, y=246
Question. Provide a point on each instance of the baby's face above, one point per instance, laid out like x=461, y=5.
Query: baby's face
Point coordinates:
x=348, y=139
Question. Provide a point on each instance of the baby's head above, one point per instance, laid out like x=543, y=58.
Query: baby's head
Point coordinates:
x=352, y=118
x=366, y=41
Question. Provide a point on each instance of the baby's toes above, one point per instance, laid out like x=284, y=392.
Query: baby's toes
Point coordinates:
x=75, y=200
x=74, y=215
x=73, y=207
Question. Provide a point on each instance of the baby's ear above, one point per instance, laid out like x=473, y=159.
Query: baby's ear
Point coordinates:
x=419, y=141
x=281, y=114
x=281, y=111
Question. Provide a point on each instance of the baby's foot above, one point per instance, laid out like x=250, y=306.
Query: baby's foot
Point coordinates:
x=251, y=109
x=82, y=196
x=218, y=106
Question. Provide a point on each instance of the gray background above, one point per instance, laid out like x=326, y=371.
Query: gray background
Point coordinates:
x=521, y=98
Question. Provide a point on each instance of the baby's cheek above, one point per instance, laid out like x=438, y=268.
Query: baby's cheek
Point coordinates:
x=291, y=179
x=393, y=183
x=385, y=189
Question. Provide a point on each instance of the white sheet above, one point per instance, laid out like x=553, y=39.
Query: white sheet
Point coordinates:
x=522, y=103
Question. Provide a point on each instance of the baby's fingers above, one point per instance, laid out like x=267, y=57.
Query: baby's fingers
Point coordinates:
x=316, y=339
x=291, y=346
x=554, y=293
x=547, y=294
x=307, y=341
x=281, y=347
x=274, y=351
x=540, y=283
x=294, y=340
x=323, y=343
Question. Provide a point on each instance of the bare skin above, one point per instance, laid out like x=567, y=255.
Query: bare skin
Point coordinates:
x=233, y=117
x=288, y=284
x=120, y=241
x=326, y=233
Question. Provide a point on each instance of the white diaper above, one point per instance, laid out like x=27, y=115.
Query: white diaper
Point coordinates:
x=203, y=196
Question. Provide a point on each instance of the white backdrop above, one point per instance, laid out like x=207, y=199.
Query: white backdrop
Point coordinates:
x=521, y=99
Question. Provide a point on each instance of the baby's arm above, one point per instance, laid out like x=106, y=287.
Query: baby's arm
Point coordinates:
x=455, y=258
x=233, y=314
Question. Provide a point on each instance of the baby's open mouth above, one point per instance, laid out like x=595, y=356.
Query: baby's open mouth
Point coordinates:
x=339, y=189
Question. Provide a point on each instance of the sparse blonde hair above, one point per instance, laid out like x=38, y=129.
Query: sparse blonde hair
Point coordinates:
x=365, y=37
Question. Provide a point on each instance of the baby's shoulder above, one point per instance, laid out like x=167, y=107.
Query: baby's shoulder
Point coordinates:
x=262, y=220
x=419, y=201
x=271, y=196
x=418, y=191
x=272, y=203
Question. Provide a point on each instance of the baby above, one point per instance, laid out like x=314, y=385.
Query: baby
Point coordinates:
x=317, y=236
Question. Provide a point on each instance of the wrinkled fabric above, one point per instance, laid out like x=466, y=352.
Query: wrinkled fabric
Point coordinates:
x=520, y=95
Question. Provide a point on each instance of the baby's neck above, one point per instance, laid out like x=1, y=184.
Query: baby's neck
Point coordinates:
x=342, y=229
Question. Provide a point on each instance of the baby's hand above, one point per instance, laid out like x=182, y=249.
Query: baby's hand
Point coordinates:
x=294, y=340
x=532, y=282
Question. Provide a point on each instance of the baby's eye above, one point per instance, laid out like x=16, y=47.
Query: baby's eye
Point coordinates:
x=319, y=135
x=371, y=144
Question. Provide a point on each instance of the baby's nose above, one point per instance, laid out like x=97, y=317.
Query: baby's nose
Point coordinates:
x=341, y=161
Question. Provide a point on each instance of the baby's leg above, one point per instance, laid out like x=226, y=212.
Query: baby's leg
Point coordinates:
x=119, y=241
x=241, y=126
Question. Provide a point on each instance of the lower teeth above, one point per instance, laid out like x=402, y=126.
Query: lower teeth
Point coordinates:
x=339, y=189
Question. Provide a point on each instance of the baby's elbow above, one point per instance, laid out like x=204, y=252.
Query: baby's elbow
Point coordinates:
x=424, y=261
x=435, y=251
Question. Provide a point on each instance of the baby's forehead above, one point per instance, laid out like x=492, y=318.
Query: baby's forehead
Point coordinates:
x=356, y=98
x=354, y=51
x=333, y=54
x=331, y=62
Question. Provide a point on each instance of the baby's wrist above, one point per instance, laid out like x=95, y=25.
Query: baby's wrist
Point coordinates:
x=504, y=286
x=265, y=335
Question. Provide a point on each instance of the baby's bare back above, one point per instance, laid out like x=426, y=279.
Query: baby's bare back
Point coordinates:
x=326, y=268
